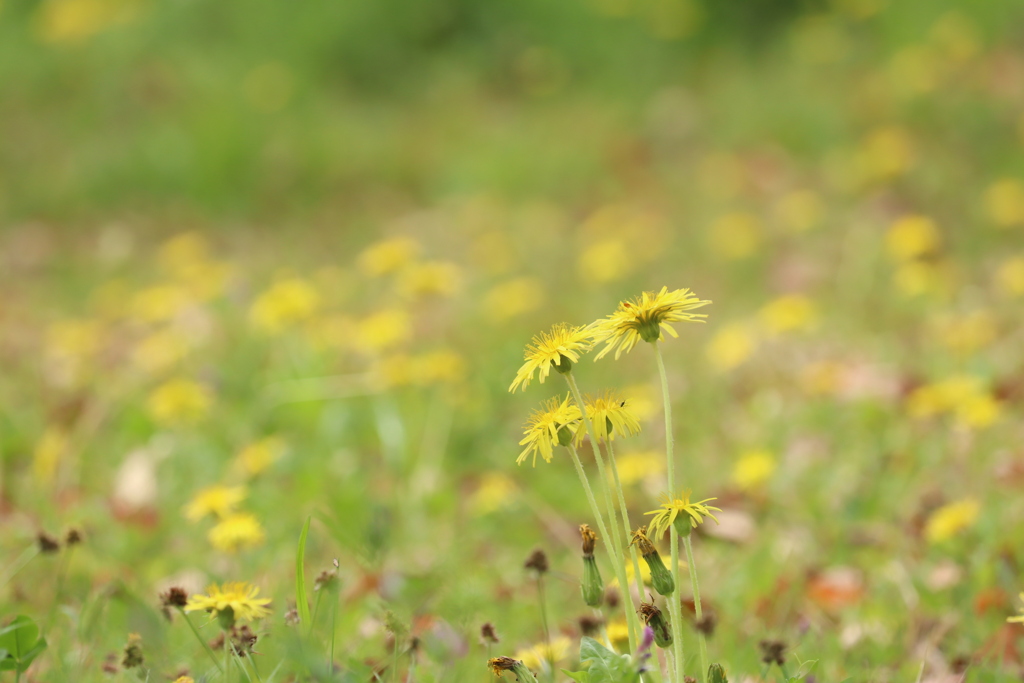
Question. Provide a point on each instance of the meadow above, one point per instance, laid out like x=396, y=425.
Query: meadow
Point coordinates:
x=271, y=275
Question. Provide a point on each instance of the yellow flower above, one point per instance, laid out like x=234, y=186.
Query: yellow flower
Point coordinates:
x=912, y=237
x=237, y=596
x=788, y=313
x=1018, y=619
x=1010, y=276
x=753, y=469
x=558, y=349
x=800, y=210
x=70, y=21
x=494, y=492
x=886, y=152
x=618, y=634
x=236, y=531
x=553, y=425
x=673, y=508
x=49, y=451
x=635, y=467
x=731, y=346
x=382, y=330
x=544, y=655
x=433, y=278
x=179, y=400
x=387, y=256
x=962, y=395
x=735, y=236
x=604, y=261
x=611, y=415
x=184, y=679
x=159, y=350
x=968, y=333
x=512, y=298
x=256, y=457
x=1005, y=202
x=219, y=501
x=644, y=318
x=160, y=303
x=951, y=519
x=823, y=377
x=286, y=302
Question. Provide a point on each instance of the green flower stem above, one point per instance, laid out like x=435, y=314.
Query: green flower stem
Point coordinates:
x=620, y=543
x=688, y=543
x=674, y=606
x=638, y=578
x=202, y=642
x=617, y=565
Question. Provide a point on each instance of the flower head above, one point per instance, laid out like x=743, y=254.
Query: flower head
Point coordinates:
x=237, y=596
x=236, y=531
x=555, y=424
x=559, y=348
x=644, y=318
x=219, y=501
x=611, y=415
x=672, y=509
x=950, y=519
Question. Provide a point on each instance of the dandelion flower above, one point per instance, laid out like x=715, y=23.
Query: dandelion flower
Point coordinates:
x=951, y=519
x=644, y=318
x=554, y=424
x=611, y=415
x=542, y=655
x=286, y=302
x=237, y=596
x=753, y=469
x=219, y=501
x=559, y=348
x=179, y=400
x=240, y=530
x=672, y=509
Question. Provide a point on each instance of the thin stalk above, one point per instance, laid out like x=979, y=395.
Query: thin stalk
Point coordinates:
x=674, y=606
x=334, y=628
x=202, y=642
x=252, y=662
x=238, y=663
x=544, y=623
x=618, y=567
x=687, y=543
x=620, y=543
x=394, y=661
x=638, y=578
x=26, y=556
x=316, y=610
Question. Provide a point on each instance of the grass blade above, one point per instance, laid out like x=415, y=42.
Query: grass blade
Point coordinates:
x=300, y=576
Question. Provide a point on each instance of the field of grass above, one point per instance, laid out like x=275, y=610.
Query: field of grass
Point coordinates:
x=266, y=265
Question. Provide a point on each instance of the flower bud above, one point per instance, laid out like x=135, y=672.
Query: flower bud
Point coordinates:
x=658, y=623
x=592, y=586
x=500, y=664
x=661, y=577
x=716, y=674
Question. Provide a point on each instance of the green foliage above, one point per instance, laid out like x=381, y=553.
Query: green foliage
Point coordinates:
x=605, y=666
x=20, y=643
x=301, y=602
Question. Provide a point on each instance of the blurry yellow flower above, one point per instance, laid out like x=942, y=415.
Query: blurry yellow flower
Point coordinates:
x=183, y=250
x=604, y=261
x=204, y=280
x=635, y=467
x=159, y=351
x=789, y=313
x=68, y=21
x=964, y=396
x=286, y=302
x=731, y=346
x=382, y=330
x=236, y=596
x=437, y=367
x=432, y=278
x=75, y=339
x=610, y=415
x=886, y=152
x=184, y=679
x=543, y=655
x=179, y=400
x=160, y=303
x=48, y=453
x=558, y=349
x=951, y=519
x=823, y=377
x=915, y=69
x=256, y=457
x=956, y=35
x=553, y=425
x=387, y=256
x=968, y=333
x=512, y=298
x=218, y=501
x=799, y=210
x=1004, y=200
x=644, y=400
x=735, y=235
x=236, y=531
x=618, y=633
x=978, y=412
x=494, y=492
x=645, y=317
x=753, y=469
x=912, y=237
x=917, y=278
x=1010, y=276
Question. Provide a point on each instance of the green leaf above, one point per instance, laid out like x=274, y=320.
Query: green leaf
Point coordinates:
x=20, y=644
x=580, y=676
x=300, y=576
x=605, y=666
x=805, y=668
